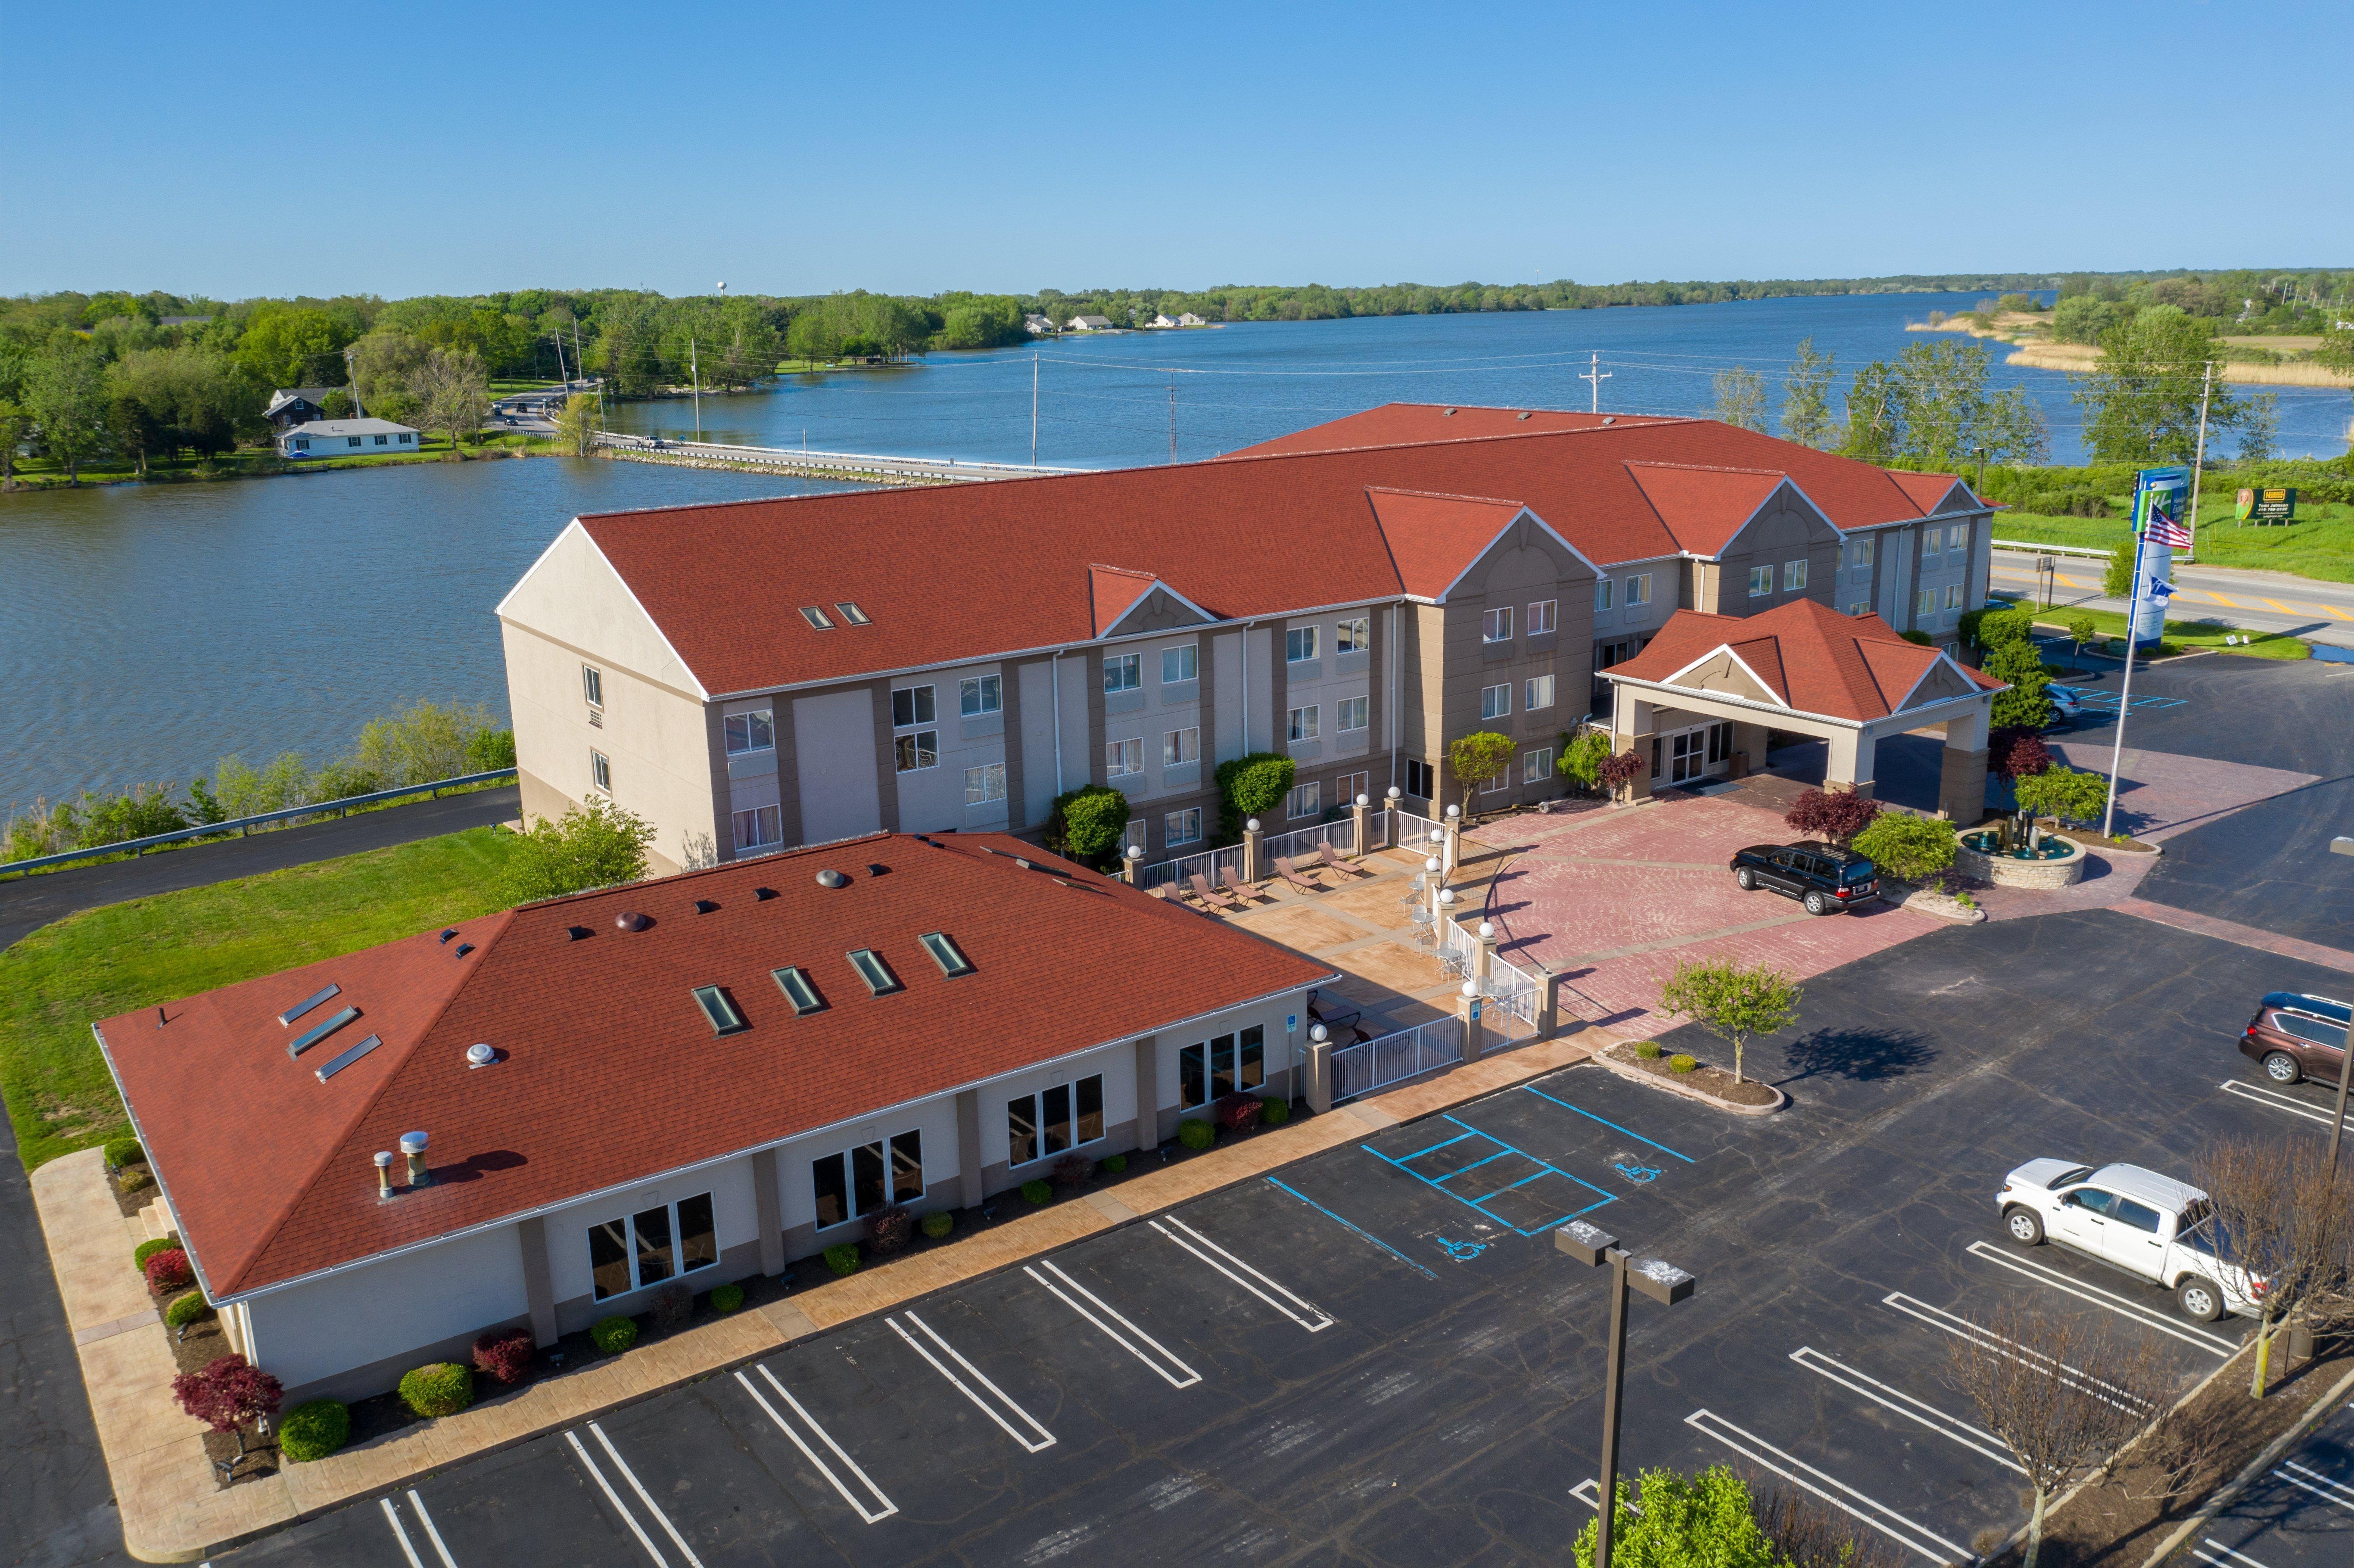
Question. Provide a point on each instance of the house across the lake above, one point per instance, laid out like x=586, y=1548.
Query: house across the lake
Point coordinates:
x=344, y=438
x=1090, y=324
x=293, y=406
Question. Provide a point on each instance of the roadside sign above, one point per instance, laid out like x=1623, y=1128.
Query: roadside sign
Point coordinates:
x=2270, y=505
x=2168, y=489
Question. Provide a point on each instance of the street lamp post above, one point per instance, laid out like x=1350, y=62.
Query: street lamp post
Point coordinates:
x=2341, y=845
x=1663, y=1283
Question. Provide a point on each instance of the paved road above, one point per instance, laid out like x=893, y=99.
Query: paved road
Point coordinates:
x=2298, y=1514
x=57, y=1507
x=2262, y=602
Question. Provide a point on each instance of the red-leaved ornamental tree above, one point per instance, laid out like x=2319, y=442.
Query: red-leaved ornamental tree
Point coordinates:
x=230, y=1392
x=1838, y=815
x=1619, y=771
x=2014, y=754
x=168, y=1271
x=505, y=1354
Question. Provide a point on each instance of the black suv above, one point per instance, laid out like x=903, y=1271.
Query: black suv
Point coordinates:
x=1821, y=876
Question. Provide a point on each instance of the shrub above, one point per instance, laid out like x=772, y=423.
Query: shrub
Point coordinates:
x=147, y=1249
x=1236, y=1111
x=2021, y=665
x=1476, y=758
x=1036, y=1191
x=1086, y=823
x=2064, y=793
x=1648, y=1050
x=1907, y=848
x=229, y=1392
x=1838, y=815
x=489, y=750
x=726, y=1298
x=1274, y=1112
x=1072, y=1170
x=595, y=845
x=1681, y=1062
x=939, y=1223
x=505, y=1354
x=1250, y=786
x=615, y=1334
x=1115, y=1163
x=1920, y=637
x=1196, y=1133
x=842, y=1258
x=169, y=1270
x=315, y=1430
x=1582, y=758
x=122, y=1151
x=342, y=780
x=674, y=1304
x=2083, y=629
x=133, y=1181
x=187, y=1309
x=443, y=1388
x=2014, y=753
x=890, y=1230
x=421, y=744
x=1619, y=771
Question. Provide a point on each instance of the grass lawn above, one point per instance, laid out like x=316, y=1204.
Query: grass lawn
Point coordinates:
x=59, y=981
x=247, y=463
x=2321, y=544
x=2182, y=636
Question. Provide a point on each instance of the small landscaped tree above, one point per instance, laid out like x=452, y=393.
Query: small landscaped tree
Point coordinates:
x=2063, y=793
x=1675, y=1521
x=2271, y=1201
x=2020, y=664
x=226, y=1396
x=1086, y=824
x=1905, y=847
x=1583, y=757
x=1250, y=786
x=1731, y=1001
x=2013, y=754
x=1476, y=758
x=1620, y=771
x=596, y=844
x=1837, y=814
x=2080, y=630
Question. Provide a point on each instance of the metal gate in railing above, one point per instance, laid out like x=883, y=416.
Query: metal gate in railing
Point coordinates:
x=1393, y=1058
x=1409, y=829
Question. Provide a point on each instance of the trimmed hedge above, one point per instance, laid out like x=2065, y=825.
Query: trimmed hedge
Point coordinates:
x=613, y=1335
x=1195, y=1132
x=443, y=1388
x=890, y=1230
x=1037, y=1191
x=123, y=1151
x=938, y=1222
x=1682, y=1063
x=842, y=1258
x=133, y=1182
x=187, y=1309
x=1647, y=1050
x=1274, y=1112
x=147, y=1249
x=505, y=1354
x=169, y=1270
x=726, y=1297
x=315, y=1430
x=1115, y=1163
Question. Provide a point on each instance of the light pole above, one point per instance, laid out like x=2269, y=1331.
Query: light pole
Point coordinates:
x=1663, y=1283
x=2341, y=845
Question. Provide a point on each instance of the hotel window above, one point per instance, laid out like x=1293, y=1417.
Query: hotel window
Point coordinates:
x=1300, y=644
x=1536, y=767
x=1124, y=672
x=592, y=685
x=1208, y=1068
x=1305, y=800
x=1954, y=596
x=1178, y=664
x=1053, y=1119
x=1794, y=576
x=912, y=705
x=1351, y=715
x=406, y=440
x=920, y=750
x=1355, y=636
x=870, y=1177
x=1122, y=758
x=1353, y=785
x=1496, y=625
x=351, y=440
x=1539, y=694
x=1496, y=701
x=984, y=784
x=1421, y=780
x=1500, y=781
x=1928, y=602
x=1957, y=539
x=1541, y=618
x=600, y=771
x=1859, y=556
x=1182, y=827
x=1932, y=540
x=1638, y=590
x=1761, y=581
x=1860, y=607
x=749, y=732
x=981, y=694
x=1307, y=724
x=1180, y=745
x=1603, y=590
x=634, y=1251
x=758, y=827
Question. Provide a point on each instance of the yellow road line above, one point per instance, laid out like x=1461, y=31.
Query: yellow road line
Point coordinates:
x=2279, y=606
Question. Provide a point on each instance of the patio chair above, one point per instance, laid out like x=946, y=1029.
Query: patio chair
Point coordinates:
x=1333, y=1012
x=1209, y=895
x=1284, y=868
x=1450, y=963
x=1330, y=859
x=1232, y=880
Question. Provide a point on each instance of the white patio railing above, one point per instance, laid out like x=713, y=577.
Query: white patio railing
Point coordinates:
x=1340, y=837
x=1393, y=1058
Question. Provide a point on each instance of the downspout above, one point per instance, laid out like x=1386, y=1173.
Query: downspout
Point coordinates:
x=1246, y=632
x=1396, y=611
x=1054, y=669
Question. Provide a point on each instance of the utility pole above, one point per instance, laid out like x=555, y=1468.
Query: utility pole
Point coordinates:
x=352, y=374
x=694, y=368
x=2198, y=460
x=1033, y=407
x=558, y=335
x=1597, y=375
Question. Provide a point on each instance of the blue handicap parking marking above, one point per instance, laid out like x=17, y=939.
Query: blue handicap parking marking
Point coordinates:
x=1506, y=1184
x=1530, y=1089
x=1641, y=1175
x=2105, y=701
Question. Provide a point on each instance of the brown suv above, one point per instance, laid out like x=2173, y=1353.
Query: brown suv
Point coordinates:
x=2298, y=1036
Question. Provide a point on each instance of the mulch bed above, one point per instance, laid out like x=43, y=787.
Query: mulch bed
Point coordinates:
x=2118, y=1524
x=130, y=1203
x=1713, y=1082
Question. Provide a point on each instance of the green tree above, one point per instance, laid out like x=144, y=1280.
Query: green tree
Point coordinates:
x=1807, y=398
x=1905, y=847
x=2141, y=402
x=422, y=743
x=1706, y=1521
x=66, y=396
x=293, y=345
x=1730, y=1001
x=1086, y=824
x=2259, y=423
x=2117, y=576
x=1740, y=399
x=16, y=427
x=2021, y=662
x=452, y=393
x=1583, y=757
x=598, y=845
x=383, y=362
x=2080, y=628
x=132, y=429
x=1931, y=410
x=2063, y=793
x=577, y=425
x=197, y=396
x=1251, y=786
x=1872, y=423
x=1476, y=758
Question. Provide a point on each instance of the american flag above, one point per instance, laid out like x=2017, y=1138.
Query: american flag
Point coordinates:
x=2165, y=529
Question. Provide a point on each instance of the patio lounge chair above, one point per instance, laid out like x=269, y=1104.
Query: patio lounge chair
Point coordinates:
x=1330, y=859
x=1209, y=895
x=1289, y=873
x=1232, y=880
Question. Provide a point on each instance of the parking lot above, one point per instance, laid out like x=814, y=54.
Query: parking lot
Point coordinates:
x=2298, y=1514
x=1378, y=1355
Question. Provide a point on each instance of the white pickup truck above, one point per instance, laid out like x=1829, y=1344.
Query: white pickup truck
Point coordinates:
x=2149, y=1225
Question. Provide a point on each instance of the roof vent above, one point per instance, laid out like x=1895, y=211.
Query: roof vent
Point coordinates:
x=1609, y=419
x=577, y=932
x=412, y=1146
x=631, y=920
x=705, y=906
x=448, y=934
x=480, y=1054
x=1446, y=413
x=1522, y=414
x=762, y=894
x=1023, y=864
x=465, y=948
x=832, y=878
x=874, y=870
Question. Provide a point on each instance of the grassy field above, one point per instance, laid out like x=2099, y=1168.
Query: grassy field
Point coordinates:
x=59, y=981
x=2320, y=544
x=2182, y=636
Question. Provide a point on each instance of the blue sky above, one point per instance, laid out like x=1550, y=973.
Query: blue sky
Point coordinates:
x=798, y=149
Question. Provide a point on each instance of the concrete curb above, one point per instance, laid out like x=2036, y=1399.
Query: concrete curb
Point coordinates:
x=2222, y=1497
x=1668, y=1086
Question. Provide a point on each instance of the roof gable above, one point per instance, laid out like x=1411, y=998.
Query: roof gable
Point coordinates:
x=1129, y=602
x=573, y=595
x=1936, y=492
x=1703, y=508
x=1812, y=658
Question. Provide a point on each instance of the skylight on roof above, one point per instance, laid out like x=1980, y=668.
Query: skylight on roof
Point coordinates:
x=851, y=613
x=877, y=974
x=947, y=954
x=799, y=989
x=295, y=1048
x=726, y=1017
x=306, y=1004
x=816, y=617
x=350, y=1056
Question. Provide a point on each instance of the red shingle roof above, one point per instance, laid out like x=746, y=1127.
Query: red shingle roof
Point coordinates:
x=608, y=1072
x=1811, y=657
x=1703, y=508
x=1250, y=534
x=1433, y=537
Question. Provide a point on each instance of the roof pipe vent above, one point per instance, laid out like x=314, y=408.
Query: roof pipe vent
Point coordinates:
x=832, y=878
x=1609, y=419
x=575, y=933
x=412, y=1146
x=384, y=1175
x=631, y=920
x=448, y=934
x=705, y=906
x=480, y=1054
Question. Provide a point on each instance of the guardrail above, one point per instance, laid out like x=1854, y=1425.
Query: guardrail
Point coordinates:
x=2021, y=547
x=243, y=826
x=842, y=462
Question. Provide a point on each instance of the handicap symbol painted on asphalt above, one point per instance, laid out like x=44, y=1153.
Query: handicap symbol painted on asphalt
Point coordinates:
x=1462, y=1252
x=1639, y=1174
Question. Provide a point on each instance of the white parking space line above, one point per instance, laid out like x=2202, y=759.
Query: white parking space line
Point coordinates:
x=1167, y=1358
x=430, y=1532
x=884, y=1508
x=1961, y=1328
x=1589, y=1493
x=1308, y=1314
x=644, y=1496
x=1848, y=1500
x=2272, y=1099
x=2108, y=1301
x=2208, y=1551
x=581, y=1450
x=392, y=1518
x=1973, y=1439
x=2336, y=1493
x=1037, y=1443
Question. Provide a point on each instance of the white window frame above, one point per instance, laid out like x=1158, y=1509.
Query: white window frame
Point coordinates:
x=1179, y=747
x=765, y=825
x=1123, y=758
x=1957, y=540
x=1639, y=590
x=916, y=750
x=920, y=699
x=891, y=1194
x=1859, y=555
x=1927, y=602
x=985, y=784
x=600, y=771
x=1037, y=1099
x=1354, y=635
x=753, y=745
x=1300, y=646
x=1122, y=672
x=1954, y=592
x=1761, y=581
x=1496, y=701
x=1305, y=724
x=1794, y=576
x=1495, y=625
x=1304, y=800
x=1545, y=616
x=1182, y=827
x=1538, y=695
x=1605, y=593
x=980, y=694
x=1499, y=782
x=1536, y=767
x=1350, y=713
x=629, y=1223
x=1933, y=542
x=592, y=685
x=1186, y=657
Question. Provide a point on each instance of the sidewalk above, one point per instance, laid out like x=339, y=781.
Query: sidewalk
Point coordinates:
x=172, y=1512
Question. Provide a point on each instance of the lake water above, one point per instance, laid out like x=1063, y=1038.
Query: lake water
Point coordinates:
x=146, y=629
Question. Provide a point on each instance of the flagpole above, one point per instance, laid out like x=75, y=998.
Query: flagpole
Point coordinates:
x=2124, y=695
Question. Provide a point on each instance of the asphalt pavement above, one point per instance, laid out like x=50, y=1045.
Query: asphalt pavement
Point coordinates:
x=2262, y=602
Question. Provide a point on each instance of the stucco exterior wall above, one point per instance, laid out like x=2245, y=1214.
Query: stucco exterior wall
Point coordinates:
x=1786, y=529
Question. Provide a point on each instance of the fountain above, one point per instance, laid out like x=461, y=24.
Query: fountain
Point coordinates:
x=2016, y=852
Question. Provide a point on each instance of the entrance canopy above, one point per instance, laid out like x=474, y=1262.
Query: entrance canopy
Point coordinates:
x=1707, y=688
